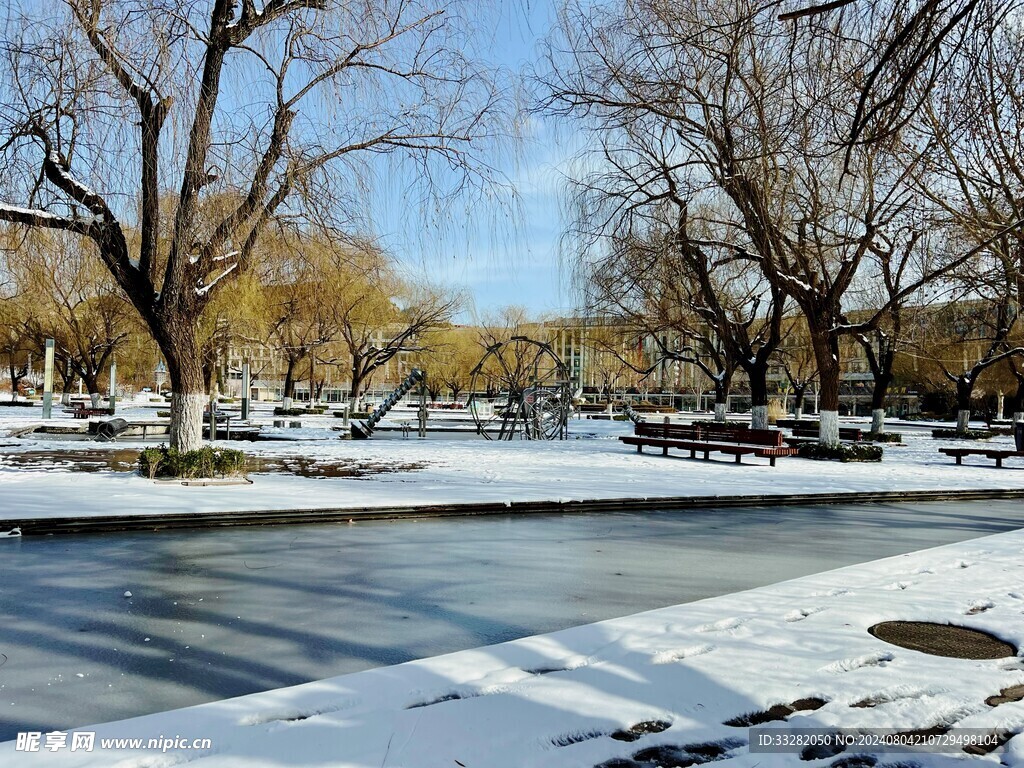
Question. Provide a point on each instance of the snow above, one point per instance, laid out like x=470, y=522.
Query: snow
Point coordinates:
x=554, y=700
x=37, y=213
x=201, y=290
x=461, y=469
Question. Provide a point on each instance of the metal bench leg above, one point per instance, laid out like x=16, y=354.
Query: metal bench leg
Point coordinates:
x=707, y=455
x=693, y=453
x=664, y=450
x=959, y=459
x=639, y=449
x=771, y=460
x=999, y=462
x=738, y=457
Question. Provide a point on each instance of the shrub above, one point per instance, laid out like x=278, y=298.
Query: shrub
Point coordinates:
x=884, y=437
x=776, y=410
x=713, y=423
x=298, y=411
x=163, y=414
x=161, y=461
x=844, y=452
x=17, y=403
x=970, y=434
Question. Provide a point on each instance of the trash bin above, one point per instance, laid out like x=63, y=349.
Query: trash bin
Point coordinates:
x=1018, y=435
x=109, y=430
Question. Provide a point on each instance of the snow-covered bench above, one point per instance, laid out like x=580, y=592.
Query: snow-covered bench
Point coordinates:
x=991, y=453
x=733, y=441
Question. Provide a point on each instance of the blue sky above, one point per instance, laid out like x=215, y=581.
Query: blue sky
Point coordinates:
x=514, y=258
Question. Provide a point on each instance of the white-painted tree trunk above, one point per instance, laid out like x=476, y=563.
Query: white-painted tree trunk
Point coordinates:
x=878, y=421
x=829, y=428
x=719, y=411
x=286, y=403
x=759, y=417
x=963, y=420
x=65, y=398
x=187, y=421
x=999, y=406
x=1018, y=417
x=798, y=412
x=96, y=399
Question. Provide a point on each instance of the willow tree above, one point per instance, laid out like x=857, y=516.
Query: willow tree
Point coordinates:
x=124, y=116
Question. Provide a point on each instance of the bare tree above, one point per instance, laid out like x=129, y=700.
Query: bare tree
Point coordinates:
x=272, y=103
x=975, y=116
x=905, y=47
x=753, y=131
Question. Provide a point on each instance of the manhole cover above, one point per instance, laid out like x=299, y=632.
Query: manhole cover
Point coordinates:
x=942, y=640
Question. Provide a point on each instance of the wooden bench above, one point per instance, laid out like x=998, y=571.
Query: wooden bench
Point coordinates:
x=804, y=434
x=991, y=453
x=87, y=412
x=734, y=441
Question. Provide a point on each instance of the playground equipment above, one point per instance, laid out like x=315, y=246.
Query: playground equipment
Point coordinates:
x=363, y=430
x=520, y=389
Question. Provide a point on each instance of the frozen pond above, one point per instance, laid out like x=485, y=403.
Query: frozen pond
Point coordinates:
x=220, y=613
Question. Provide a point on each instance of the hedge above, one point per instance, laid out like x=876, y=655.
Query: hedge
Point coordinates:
x=970, y=434
x=162, y=461
x=844, y=452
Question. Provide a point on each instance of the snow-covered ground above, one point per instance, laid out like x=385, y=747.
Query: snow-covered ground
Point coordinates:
x=688, y=671
x=463, y=469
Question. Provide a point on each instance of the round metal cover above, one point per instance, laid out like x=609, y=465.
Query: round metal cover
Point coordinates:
x=943, y=640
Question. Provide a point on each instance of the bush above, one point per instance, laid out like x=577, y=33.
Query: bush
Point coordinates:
x=970, y=434
x=884, y=437
x=713, y=423
x=163, y=414
x=162, y=461
x=17, y=403
x=299, y=411
x=844, y=452
x=776, y=410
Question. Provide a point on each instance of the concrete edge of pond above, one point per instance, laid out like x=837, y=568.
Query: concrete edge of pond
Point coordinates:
x=158, y=522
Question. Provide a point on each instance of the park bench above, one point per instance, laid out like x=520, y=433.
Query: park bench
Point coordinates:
x=734, y=441
x=83, y=411
x=810, y=432
x=991, y=453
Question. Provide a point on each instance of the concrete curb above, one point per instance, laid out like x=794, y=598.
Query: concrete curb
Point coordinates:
x=158, y=522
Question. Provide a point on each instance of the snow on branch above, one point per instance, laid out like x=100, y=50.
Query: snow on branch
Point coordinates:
x=202, y=290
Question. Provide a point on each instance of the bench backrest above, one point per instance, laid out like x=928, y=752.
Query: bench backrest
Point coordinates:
x=845, y=433
x=720, y=434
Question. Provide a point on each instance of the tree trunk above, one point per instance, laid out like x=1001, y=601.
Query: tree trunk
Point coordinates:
x=878, y=421
x=92, y=385
x=722, y=396
x=828, y=433
x=878, y=398
x=184, y=367
x=16, y=378
x=758, y=376
x=964, y=390
x=356, y=385
x=799, y=392
x=826, y=355
x=999, y=405
x=289, y=384
x=963, y=420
